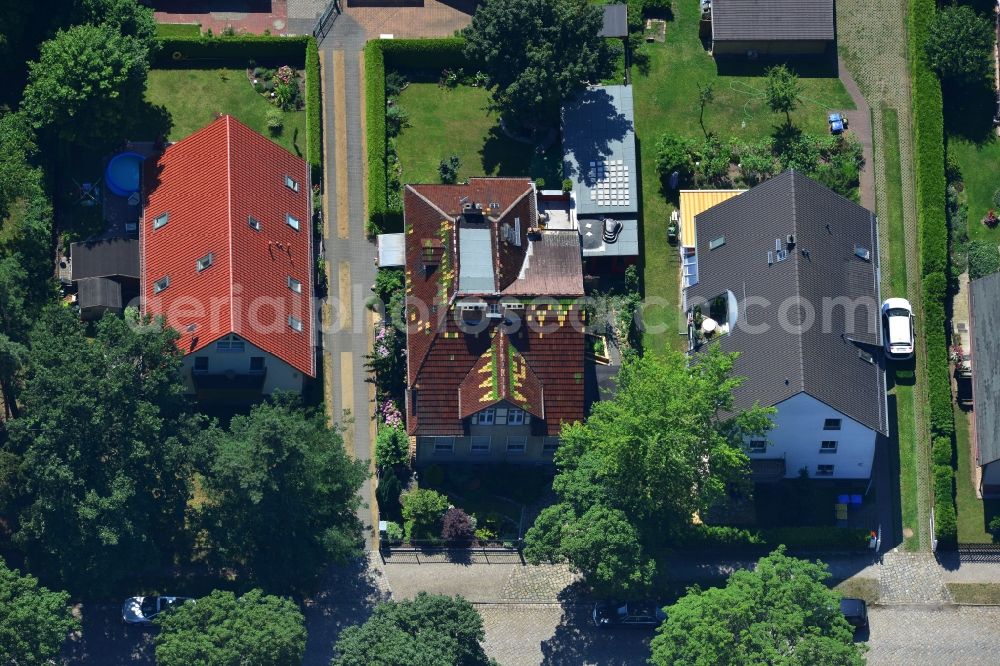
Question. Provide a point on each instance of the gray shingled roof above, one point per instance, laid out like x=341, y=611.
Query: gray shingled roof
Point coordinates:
x=828, y=362
x=615, y=21
x=739, y=20
x=99, y=292
x=984, y=302
x=116, y=257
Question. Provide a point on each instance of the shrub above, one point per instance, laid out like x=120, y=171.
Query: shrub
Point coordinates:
x=673, y=154
x=387, y=495
x=941, y=451
x=275, y=120
x=959, y=45
x=448, y=169
x=394, y=532
x=995, y=526
x=984, y=258
x=715, y=537
x=422, y=510
x=391, y=448
x=567, y=185
x=394, y=83
x=457, y=527
x=944, y=477
x=433, y=475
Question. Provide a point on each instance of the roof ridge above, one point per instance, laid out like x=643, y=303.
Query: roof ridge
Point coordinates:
x=795, y=271
x=430, y=203
x=495, y=235
x=229, y=217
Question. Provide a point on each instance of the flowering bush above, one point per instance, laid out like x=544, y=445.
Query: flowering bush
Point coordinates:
x=285, y=74
x=390, y=414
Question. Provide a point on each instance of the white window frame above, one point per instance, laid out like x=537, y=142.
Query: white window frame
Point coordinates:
x=757, y=446
x=254, y=223
x=476, y=444
x=230, y=345
x=828, y=449
x=161, y=284
x=444, y=444
x=519, y=442
x=832, y=424
x=204, y=262
x=295, y=324
x=161, y=220
x=486, y=417
x=294, y=285
x=292, y=221
x=550, y=444
x=516, y=416
x=824, y=470
x=291, y=183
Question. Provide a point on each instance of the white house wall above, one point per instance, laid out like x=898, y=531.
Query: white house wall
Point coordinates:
x=798, y=431
x=280, y=375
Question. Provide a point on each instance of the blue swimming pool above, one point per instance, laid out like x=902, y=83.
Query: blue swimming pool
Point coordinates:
x=122, y=174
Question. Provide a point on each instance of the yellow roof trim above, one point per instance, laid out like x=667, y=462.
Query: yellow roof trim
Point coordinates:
x=696, y=202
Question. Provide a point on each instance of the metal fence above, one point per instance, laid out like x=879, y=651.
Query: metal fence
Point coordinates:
x=325, y=22
x=442, y=553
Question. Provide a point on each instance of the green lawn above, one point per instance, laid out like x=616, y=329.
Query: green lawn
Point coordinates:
x=980, y=166
x=167, y=30
x=192, y=98
x=666, y=97
x=455, y=121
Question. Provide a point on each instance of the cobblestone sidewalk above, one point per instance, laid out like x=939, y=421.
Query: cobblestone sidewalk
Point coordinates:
x=911, y=578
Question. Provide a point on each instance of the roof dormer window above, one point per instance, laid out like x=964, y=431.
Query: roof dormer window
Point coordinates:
x=293, y=221
x=254, y=223
x=161, y=220
x=291, y=183
x=294, y=285
x=295, y=324
x=161, y=284
x=204, y=262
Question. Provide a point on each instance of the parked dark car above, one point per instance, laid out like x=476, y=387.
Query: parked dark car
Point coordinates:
x=631, y=614
x=855, y=612
x=142, y=610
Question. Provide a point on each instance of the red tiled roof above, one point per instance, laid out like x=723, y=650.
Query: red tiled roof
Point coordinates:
x=454, y=374
x=210, y=184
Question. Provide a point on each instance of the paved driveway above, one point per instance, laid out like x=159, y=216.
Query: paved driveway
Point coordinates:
x=934, y=636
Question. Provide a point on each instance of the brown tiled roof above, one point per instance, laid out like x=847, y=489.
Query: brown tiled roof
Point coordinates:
x=451, y=374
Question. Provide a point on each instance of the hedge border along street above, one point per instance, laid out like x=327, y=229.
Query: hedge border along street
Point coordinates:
x=202, y=51
x=928, y=121
x=408, y=54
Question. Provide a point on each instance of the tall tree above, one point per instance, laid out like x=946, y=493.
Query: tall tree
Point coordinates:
x=84, y=83
x=629, y=478
x=34, y=621
x=959, y=46
x=426, y=631
x=127, y=17
x=103, y=445
x=779, y=613
x=782, y=91
x=280, y=488
x=13, y=329
x=220, y=629
x=537, y=53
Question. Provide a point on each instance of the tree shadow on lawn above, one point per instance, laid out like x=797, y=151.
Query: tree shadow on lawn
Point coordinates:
x=968, y=112
x=504, y=156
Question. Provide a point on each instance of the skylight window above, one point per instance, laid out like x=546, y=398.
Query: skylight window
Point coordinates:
x=294, y=285
x=161, y=220
x=292, y=221
x=204, y=262
x=295, y=323
x=161, y=284
x=254, y=223
x=716, y=243
x=291, y=184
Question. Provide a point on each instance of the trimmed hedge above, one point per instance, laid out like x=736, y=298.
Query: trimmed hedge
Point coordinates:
x=941, y=452
x=720, y=537
x=438, y=53
x=375, y=135
x=236, y=50
x=314, y=110
x=929, y=157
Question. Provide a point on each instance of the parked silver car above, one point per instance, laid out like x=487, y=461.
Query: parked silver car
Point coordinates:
x=142, y=610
